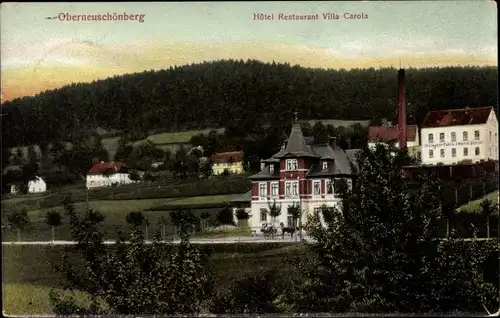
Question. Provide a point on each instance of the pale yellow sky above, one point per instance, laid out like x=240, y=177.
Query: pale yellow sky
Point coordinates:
x=39, y=53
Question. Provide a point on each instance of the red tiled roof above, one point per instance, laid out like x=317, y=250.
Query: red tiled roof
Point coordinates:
x=457, y=117
x=110, y=167
x=386, y=134
x=226, y=157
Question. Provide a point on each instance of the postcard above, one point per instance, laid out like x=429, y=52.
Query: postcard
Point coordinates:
x=264, y=157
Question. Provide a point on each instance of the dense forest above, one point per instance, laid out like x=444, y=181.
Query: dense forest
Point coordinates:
x=238, y=93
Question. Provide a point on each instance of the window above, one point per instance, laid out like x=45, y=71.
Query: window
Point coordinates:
x=441, y=153
x=441, y=137
x=466, y=152
x=317, y=210
x=453, y=137
x=453, y=152
x=263, y=215
x=477, y=151
x=431, y=153
x=288, y=188
x=490, y=135
x=329, y=188
x=263, y=189
x=295, y=188
x=317, y=187
x=274, y=189
x=476, y=134
x=325, y=165
x=431, y=138
x=271, y=168
x=291, y=164
x=465, y=136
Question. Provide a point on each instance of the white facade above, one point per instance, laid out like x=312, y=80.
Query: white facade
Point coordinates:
x=452, y=144
x=319, y=197
x=37, y=186
x=100, y=180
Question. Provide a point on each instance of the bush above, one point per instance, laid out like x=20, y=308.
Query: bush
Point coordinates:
x=225, y=216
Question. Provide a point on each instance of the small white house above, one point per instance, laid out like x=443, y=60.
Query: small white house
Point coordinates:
x=105, y=174
x=37, y=185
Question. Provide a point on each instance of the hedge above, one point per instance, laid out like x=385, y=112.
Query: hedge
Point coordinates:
x=166, y=207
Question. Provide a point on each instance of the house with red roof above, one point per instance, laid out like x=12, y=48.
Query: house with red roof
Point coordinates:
x=105, y=174
x=232, y=162
x=460, y=135
x=388, y=133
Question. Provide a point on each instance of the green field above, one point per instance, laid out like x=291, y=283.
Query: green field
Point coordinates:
x=115, y=212
x=163, y=139
x=28, y=273
x=475, y=205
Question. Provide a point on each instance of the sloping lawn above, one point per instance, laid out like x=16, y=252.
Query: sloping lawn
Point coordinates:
x=475, y=205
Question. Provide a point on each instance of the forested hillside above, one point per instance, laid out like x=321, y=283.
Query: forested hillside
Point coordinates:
x=215, y=94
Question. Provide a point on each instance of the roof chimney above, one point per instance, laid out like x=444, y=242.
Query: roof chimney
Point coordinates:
x=402, y=109
x=332, y=141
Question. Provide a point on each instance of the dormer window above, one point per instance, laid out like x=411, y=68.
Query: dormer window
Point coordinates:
x=271, y=168
x=325, y=165
x=291, y=164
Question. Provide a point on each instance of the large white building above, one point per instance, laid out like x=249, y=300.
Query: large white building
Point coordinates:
x=105, y=174
x=460, y=135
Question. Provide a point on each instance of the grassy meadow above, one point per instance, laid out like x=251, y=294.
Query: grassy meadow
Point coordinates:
x=475, y=205
x=28, y=274
x=115, y=212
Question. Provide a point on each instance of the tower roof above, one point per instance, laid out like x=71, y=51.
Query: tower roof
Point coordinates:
x=296, y=145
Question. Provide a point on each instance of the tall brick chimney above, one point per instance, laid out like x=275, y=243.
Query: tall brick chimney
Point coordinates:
x=402, y=109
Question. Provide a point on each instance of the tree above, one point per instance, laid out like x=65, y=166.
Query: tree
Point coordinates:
x=380, y=251
x=132, y=278
x=241, y=214
x=225, y=216
x=320, y=133
x=163, y=221
x=53, y=219
x=204, y=218
x=274, y=210
x=123, y=149
x=252, y=294
x=183, y=220
x=135, y=218
x=134, y=175
x=18, y=220
x=296, y=214
x=487, y=209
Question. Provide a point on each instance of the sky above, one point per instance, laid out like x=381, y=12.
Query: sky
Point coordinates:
x=41, y=50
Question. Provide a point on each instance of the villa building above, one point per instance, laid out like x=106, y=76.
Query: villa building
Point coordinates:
x=298, y=175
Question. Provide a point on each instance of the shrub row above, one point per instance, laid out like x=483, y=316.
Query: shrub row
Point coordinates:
x=214, y=186
x=464, y=224
x=166, y=207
